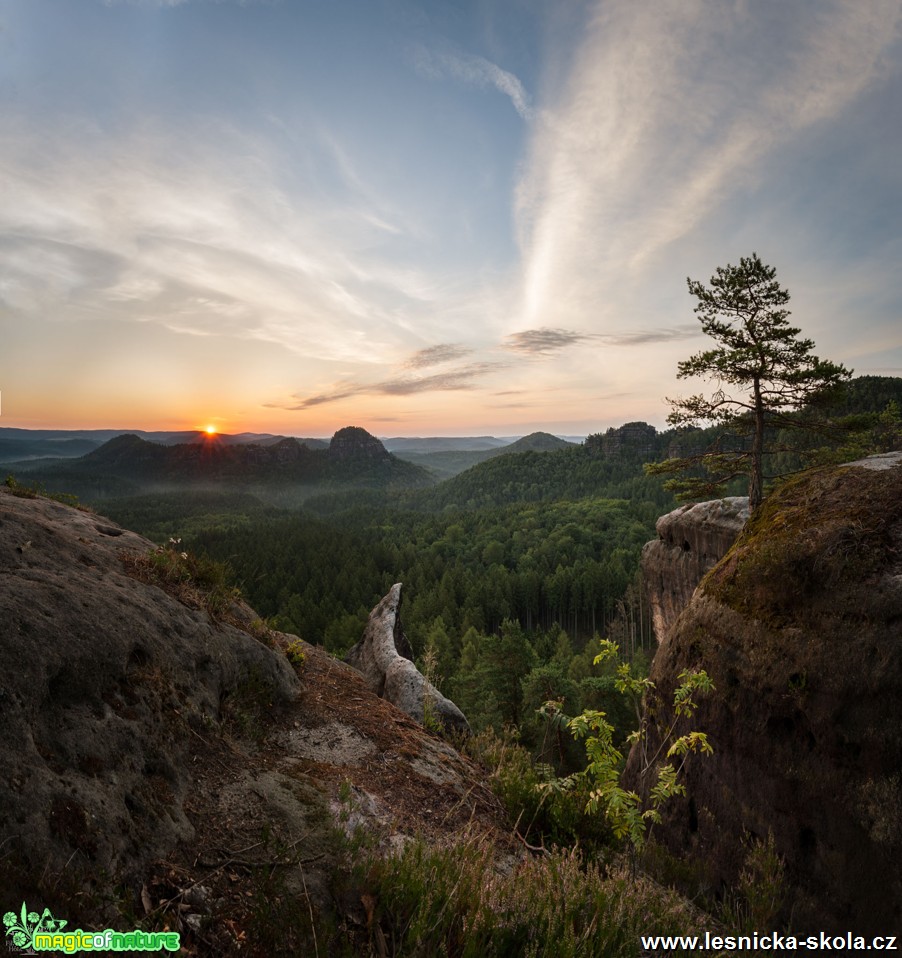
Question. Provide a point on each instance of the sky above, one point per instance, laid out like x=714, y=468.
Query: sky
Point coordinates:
x=453, y=217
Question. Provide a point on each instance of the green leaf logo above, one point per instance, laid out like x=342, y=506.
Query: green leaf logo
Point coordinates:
x=23, y=926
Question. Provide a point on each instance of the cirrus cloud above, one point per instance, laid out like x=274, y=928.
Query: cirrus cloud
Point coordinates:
x=462, y=378
x=474, y=71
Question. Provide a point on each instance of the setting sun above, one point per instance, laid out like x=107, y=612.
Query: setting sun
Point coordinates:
x=210, y=430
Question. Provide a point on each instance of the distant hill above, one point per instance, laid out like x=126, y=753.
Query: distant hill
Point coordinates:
x=537, y=442
x=285, y=471
x=20, y=445
x=13, y=449
x=450, y=462
x=419, y=445
x=869, y=394
x=570, y=472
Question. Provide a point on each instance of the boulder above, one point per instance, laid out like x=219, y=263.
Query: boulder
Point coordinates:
x=102, y=679
x=384, y=657
x=691, y=541
x=799, y=628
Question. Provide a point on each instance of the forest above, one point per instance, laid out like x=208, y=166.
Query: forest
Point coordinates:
x=511, y=569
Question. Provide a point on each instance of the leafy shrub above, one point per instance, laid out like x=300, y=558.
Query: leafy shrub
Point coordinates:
x=628, y=815
x=759, y=894
x=295, y=653
x=541, y=816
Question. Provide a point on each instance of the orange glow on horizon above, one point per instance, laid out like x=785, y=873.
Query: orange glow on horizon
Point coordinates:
x=210, y=430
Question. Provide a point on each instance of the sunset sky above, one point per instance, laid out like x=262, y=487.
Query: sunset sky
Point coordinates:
x=433, y=217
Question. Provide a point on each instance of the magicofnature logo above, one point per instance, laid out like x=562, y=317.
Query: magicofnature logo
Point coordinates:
x=23, y=926
x=30, y=930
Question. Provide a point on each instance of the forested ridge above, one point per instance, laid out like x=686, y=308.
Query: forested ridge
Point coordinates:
x=509, y=568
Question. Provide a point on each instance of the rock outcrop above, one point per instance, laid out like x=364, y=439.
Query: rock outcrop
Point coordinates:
x=97, y=673
x=633, y=438
x=385, y=659
x=800, y=628
x=157, y=757
x=691, y=541
x=352, y=442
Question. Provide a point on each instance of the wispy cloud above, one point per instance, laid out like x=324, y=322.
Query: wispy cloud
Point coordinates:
x=545, y=341
x=667, y=112
x=645, y=337
x=542, y=341
x=462, y=378
x=436, y=355
x=475, y=71
x=199, y=238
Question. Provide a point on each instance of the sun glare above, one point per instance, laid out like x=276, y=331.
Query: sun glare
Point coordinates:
x=210, y=430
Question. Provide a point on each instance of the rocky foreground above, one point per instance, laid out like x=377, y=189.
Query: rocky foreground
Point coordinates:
x=161, y=756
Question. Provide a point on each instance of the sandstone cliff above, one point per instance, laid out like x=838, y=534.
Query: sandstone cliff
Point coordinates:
x=800, y=627
x=633, y=438
x=161, y=756
x=691, y=541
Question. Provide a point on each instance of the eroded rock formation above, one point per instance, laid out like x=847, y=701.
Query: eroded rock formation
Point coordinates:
x=691, y=541
x=633, y=438
x=800, y=628
x=384, y=657
x=352, y=442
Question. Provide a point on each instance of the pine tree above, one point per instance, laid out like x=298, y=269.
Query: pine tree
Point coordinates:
x=763, y=373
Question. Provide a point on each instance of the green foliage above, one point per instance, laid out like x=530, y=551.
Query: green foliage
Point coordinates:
x=296, y=654
x=194, y=579
x=532, y=477
x=759, y=894
x=429, y=670
x=36, y=490
x=541, y=817
x=20, y=490
x=565, y=563
x=860, y=435
x=163, y=515
x=629, y=816
x=759, y=353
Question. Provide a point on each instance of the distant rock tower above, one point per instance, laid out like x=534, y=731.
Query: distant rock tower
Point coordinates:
x=633, y=438
x=352, y=442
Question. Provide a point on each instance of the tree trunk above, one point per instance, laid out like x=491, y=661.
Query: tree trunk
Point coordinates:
x=755, y=474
